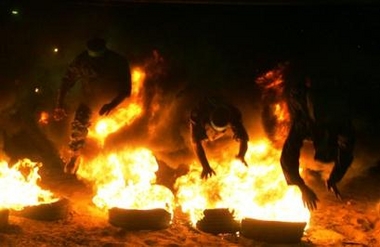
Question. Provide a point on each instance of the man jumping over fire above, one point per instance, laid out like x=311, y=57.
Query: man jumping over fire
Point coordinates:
x=209, y=121
x=318, y=113
x=105, y=82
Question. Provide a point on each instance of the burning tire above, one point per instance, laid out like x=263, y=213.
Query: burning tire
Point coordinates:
x=217, y=221
x=4, y=213
x=277, y=232
x=47, y=211
x=135, y=219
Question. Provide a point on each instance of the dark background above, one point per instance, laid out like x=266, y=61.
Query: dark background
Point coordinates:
x=210, y=44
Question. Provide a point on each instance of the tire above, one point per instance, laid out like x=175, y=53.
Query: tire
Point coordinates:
x=276, y=232
x=47, y=211
x=135, y=219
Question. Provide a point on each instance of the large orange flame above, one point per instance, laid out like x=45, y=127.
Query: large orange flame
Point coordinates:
x=258, y=191
x=125, y=114
x=19, y=185
x=124, y=178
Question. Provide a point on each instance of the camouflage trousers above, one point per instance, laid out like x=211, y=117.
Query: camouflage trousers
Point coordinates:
x=79, y=129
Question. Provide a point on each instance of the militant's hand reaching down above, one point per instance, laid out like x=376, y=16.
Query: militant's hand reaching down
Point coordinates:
x=331, y=186
x=207, y=172
x=309, y=198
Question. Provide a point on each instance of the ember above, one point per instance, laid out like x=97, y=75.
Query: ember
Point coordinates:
x=44, y=118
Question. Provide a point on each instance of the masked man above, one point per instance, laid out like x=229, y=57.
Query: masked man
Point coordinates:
x=105, y=81
x=209, y=121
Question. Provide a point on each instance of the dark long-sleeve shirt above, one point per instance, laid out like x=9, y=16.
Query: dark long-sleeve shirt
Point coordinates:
x=328, y=126
x=103, y=79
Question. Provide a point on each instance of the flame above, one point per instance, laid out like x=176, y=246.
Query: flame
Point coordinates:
x=273, y=79
x=282, y=115
x=126, y=179
x=19, y=185
x=258, y=191
x=275, y=109
x=281, y=112
x=125, y=114
x=44, y=118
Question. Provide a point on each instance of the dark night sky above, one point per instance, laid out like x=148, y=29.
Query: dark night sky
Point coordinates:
x=245, y=32
x=216, y=42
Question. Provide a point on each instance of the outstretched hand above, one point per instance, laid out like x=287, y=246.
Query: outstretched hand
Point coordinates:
x=309, y=198
x=331, y=186
x=207, y=173
x=106, y=109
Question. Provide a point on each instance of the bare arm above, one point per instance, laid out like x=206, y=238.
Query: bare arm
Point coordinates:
x=201, y=155
x=198, y=134
x=240, y=134
x=290, y=166
x=345, y=142
x=290, y=157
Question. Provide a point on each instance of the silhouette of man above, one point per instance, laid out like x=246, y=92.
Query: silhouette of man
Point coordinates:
x=105, y=80
x=320, y=114
x=209, y=121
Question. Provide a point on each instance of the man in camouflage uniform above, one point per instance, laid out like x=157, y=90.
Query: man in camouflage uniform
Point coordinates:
x=209, y=120
x=105, y=80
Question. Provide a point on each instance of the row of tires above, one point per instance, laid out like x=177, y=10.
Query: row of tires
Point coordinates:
x=215, y=221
